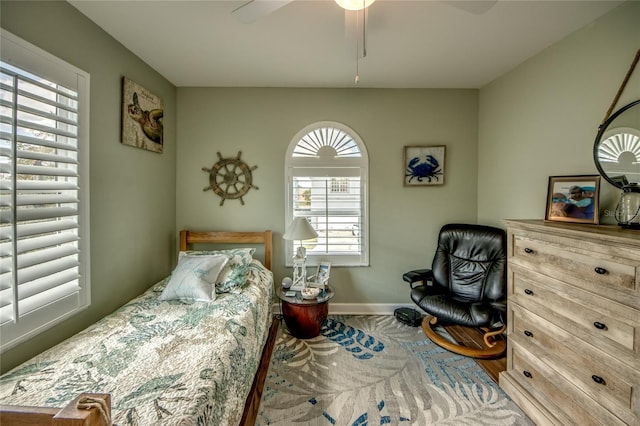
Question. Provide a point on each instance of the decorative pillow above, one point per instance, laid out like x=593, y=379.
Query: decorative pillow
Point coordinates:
x=194, y=278
x=233, y=277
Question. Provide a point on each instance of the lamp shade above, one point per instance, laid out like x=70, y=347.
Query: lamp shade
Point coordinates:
x=300, y=229
x=354, y=4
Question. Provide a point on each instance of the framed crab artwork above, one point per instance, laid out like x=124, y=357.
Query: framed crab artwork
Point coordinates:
x=424, y=165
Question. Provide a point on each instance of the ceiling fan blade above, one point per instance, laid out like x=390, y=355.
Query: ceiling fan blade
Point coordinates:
x=256, y=9
x=477, y=7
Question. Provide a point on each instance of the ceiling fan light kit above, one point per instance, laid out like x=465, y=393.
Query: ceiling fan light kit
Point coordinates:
x=354, y=4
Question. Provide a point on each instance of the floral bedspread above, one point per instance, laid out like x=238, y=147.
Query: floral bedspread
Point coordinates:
x=164, y=363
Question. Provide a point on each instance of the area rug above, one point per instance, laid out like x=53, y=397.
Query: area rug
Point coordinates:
x=374, y=370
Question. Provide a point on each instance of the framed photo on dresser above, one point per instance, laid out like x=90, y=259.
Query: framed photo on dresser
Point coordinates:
x=573, y=199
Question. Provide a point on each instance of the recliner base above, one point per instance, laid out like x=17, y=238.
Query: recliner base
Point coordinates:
x=493, y=347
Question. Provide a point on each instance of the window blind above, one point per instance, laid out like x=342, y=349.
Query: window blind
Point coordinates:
x=40, y=220
x=334, y=210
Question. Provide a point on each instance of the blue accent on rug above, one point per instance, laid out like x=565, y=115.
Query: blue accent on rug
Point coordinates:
x=362, y=420
x=355, y=341
x=444, y=367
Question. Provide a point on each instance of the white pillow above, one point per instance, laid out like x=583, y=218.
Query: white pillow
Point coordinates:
x=233, y=277
x=194, y=278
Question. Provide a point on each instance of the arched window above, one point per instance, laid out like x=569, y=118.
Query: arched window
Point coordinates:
x=326, y=172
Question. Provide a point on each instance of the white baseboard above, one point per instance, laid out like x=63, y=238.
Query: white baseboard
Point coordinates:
x=361, y=308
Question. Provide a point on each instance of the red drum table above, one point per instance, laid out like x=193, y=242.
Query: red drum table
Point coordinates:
x=304, y=317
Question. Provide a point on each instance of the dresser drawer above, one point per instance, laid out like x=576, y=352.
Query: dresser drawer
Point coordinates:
x=567, y=260
x=600, y=376
x=595, y=317
x=545, y=385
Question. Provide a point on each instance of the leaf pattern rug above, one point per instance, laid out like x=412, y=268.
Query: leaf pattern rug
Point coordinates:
x=373, y=370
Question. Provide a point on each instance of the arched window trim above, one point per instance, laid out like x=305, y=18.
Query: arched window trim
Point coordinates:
x=356, y=167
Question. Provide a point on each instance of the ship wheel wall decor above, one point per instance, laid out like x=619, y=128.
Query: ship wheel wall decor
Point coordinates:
x=230, y=178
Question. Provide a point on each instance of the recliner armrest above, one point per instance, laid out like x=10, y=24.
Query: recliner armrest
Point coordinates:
x=418, y=275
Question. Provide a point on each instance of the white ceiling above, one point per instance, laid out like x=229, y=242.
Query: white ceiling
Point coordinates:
x=416, y=44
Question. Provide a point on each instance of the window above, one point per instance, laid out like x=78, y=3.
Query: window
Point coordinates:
x=326, y=182
x=340, y=185
x=44, y=153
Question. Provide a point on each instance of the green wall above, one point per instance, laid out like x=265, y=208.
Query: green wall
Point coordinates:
x=132, y=191
x=502, y=141
x=541, y=119
x=261, y=123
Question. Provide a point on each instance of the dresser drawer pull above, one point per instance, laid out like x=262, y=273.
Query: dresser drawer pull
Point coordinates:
x=528, y=333
x=529, y=292
x=599, y=325
x=528, y=250
x=600, y=270
x=527, y=374
x=599, y=380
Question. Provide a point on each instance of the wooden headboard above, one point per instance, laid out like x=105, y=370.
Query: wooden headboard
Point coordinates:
x=225, y=237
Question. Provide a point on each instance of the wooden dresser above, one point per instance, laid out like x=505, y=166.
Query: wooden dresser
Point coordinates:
x=573, y=352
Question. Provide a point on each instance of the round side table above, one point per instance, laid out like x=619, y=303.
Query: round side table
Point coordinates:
x=304, y=317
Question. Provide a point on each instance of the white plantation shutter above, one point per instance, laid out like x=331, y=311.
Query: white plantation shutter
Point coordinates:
x=43, y=190
x=327, y=173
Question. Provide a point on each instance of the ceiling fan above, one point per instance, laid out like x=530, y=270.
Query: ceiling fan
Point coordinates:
x=355, y=17
x=253, y=10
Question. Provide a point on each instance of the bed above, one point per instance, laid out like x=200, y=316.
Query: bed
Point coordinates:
x=173, y=362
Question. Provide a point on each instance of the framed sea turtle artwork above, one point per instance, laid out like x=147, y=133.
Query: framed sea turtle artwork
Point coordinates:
x=142, y=113
x=424, y=165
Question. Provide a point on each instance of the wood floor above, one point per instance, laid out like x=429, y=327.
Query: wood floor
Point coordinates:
x=473, y=338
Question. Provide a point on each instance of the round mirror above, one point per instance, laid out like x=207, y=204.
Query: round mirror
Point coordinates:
x=616, y=151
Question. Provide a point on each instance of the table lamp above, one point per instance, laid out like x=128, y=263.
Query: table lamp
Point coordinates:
x=300, y=229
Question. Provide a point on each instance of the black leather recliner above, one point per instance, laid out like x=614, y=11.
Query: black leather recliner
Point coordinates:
x=466, y=285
